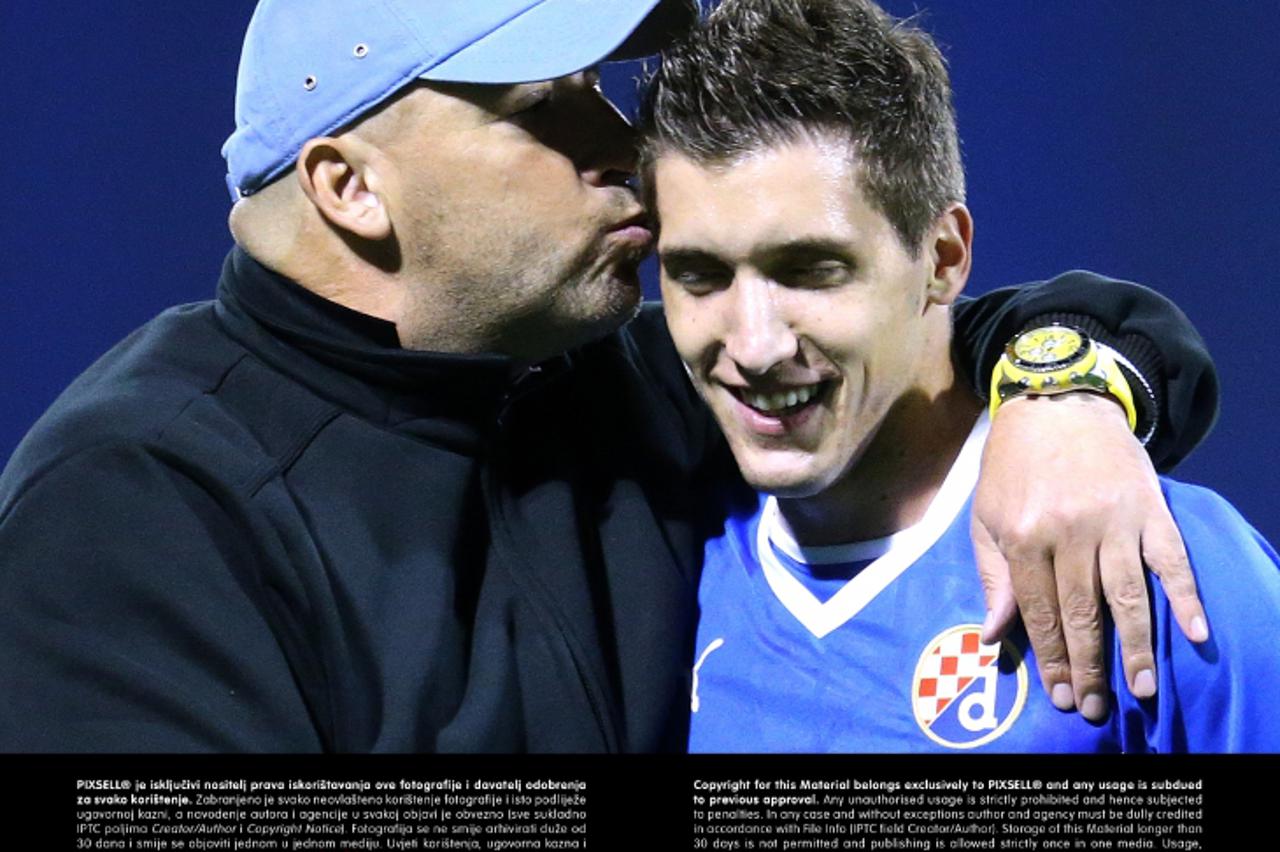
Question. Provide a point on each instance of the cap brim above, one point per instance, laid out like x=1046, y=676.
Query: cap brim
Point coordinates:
x=556, y=37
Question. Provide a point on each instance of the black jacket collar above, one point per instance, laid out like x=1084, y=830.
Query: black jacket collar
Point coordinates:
x=356, y=359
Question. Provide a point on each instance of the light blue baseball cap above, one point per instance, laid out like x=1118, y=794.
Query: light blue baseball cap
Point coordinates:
x=310, y=67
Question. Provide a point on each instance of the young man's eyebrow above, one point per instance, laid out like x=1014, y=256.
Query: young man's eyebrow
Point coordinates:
x=802, y=246
x=684, y=254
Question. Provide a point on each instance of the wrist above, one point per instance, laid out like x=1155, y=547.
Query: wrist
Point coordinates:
x=1060, y=360
x=1067, y=405
x=1139, y=359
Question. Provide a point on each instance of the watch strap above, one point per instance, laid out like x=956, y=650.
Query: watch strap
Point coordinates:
x=1097, y=371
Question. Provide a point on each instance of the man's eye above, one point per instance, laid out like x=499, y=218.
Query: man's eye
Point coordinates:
x=698, y=280
x=531, y=109
x=824, y=273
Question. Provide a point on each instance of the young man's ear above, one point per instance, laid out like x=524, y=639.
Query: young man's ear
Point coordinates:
x=340, y=177
x=949, y=248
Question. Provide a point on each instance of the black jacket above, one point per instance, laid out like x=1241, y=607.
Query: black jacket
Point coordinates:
x=257, y=524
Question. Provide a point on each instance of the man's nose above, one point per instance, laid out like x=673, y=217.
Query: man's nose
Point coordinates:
x=758, y=337
x=610, y=157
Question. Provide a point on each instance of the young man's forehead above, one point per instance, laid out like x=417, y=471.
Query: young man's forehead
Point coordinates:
x=810, y=176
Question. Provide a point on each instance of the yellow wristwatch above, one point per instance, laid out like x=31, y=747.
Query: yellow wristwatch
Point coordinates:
x=1056, y=359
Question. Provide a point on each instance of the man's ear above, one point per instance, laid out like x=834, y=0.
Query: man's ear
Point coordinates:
x=340, y=177
x=949, y=247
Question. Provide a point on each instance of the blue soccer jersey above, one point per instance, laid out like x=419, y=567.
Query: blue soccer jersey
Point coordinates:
x=874, y=646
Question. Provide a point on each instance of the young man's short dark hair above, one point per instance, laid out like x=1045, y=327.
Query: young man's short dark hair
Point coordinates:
x=760, y=72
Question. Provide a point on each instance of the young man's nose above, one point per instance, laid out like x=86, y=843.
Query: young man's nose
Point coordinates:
x=758, y=337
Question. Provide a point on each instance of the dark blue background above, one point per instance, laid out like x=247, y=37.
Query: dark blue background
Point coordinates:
x=1139, y=139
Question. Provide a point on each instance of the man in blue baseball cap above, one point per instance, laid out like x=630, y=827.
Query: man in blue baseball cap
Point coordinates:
x=409, y=483
x=467, y=148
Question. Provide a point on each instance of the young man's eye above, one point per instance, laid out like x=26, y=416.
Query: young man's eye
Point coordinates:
x=817, y=274
x=698, y=281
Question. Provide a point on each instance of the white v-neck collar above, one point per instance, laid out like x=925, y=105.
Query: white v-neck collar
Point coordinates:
x=891, y=555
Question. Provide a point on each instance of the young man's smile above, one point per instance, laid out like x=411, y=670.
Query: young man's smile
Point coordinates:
x=799, y=311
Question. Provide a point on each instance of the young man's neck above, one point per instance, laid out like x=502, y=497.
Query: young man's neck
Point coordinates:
x=891, y=486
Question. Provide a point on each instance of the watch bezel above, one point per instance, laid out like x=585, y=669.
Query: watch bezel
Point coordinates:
x=1086, y=345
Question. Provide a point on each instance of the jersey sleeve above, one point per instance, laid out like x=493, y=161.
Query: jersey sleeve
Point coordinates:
x=1220, y=696
x=133, y=619
x=1177, y=392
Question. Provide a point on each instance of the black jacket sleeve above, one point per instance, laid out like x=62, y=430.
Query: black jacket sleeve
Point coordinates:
x=131, y=619
x=1177, y=392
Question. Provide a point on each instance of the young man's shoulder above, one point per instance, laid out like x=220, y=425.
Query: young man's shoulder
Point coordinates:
x=1213, y=529
x=1218, y=696
x=1237, y=571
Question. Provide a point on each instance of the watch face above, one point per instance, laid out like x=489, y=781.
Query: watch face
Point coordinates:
x=1048, y=348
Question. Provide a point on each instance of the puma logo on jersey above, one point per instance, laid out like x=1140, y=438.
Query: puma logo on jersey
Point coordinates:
x=694, y=703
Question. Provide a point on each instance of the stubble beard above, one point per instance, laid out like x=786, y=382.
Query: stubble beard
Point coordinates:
x=595, y=292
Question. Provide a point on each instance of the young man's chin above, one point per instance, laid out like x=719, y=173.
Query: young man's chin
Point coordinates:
x=786, y=477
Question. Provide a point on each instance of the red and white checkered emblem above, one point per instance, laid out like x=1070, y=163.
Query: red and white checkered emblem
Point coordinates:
x=955, y=666
x=950, y=664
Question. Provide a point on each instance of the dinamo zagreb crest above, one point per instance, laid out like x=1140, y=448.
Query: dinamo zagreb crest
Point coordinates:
x=965, y=693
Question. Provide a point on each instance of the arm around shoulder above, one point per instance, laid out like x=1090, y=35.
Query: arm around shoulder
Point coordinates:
x=1178, y=387
x=1069, y=504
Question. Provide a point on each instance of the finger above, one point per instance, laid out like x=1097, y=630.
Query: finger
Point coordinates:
x=1125, y=588
x=997, y=588
x=1165, y=554
x=1080, y=595
x=1031, y=574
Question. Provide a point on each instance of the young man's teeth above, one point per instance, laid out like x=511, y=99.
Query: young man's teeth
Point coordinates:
x=779, y=401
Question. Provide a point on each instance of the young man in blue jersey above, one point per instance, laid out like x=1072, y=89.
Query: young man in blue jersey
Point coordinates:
x=804, y=158
x=407, y=484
